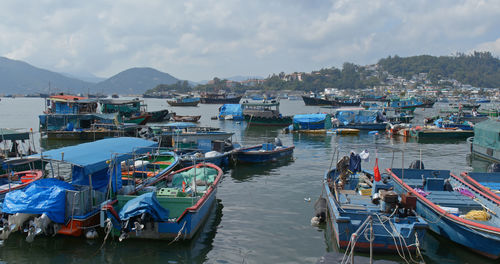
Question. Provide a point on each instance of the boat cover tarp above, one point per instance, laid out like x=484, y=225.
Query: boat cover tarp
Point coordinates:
x=486, y=134
x=312, y=122
x=231, y=109
x=91, y=158
x=359, y=117
x=145, y=203
x=202, y=174
x=46, y=196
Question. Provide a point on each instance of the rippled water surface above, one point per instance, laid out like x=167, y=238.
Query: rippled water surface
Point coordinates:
x=263, y=211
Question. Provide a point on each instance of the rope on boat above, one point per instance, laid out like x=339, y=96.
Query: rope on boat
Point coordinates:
x=179, y=233
x=107, y=230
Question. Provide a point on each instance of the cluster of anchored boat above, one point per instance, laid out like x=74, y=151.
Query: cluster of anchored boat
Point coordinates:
x=391, y=212
x=128, y=187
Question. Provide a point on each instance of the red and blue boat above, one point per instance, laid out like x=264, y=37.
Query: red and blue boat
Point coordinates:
x=453, y=209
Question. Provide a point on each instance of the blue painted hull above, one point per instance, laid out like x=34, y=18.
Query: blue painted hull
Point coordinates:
x=476, y=238
x=252, y=155
x=346, y=221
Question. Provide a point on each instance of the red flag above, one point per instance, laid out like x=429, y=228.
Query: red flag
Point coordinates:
x=376, y=172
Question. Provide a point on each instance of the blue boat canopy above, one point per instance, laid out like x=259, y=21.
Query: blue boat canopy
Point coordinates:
x=231, y=109
x=45, y=196
x=91, y=159
x=359, y=116
x=312, y=122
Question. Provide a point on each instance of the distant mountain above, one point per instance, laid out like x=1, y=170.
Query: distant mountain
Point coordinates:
x=17, y=77
x=133, y=81
x=87, y=77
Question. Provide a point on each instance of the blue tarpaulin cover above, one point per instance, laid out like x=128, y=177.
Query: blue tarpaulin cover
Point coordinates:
x=231, y=109
x=90, y=158
x=145, y=203
x=312, y=122
x=43, y=196
x=358, y=116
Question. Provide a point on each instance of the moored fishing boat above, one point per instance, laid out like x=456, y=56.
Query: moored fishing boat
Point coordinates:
x=217, y=152
x=184, y=101
x=263, y=153
x=219, y=98
x=356, y=201
x=140, y=171
x=173, y=207
x=335, y=102
x=53, y=206
x=452, y=209
x=440, y=133
x=231, y=112
x=264, y=113
x=181, y=135
x=14, y=179
x=310, y=123
x=160, y=115
x=359, y=118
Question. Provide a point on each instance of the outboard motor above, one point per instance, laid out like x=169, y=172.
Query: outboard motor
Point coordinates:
x=494, y=167
x=14, y=222
x=139, y=224
x=417, y=164
x=39, y=225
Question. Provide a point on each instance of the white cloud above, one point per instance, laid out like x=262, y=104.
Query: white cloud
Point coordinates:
x=201, y=39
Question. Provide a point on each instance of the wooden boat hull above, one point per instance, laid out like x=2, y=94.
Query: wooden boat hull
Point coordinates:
x=252, y=155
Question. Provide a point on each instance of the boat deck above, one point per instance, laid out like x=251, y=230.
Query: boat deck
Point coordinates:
x=350, y=199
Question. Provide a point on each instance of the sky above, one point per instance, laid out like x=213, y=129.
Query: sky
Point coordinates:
x=202, y=39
